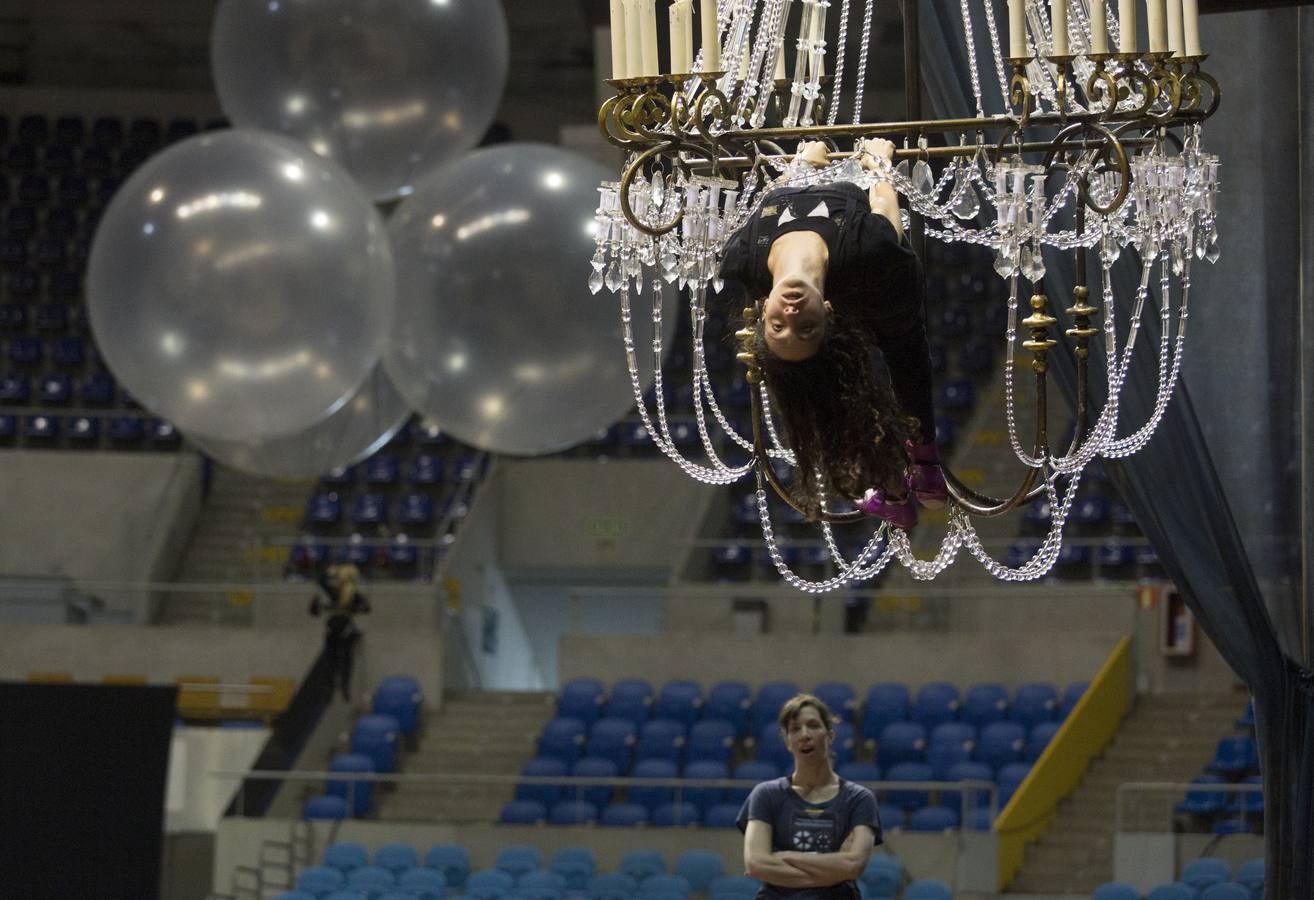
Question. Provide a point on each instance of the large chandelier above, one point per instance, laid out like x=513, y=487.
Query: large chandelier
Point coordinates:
x=1097, y=151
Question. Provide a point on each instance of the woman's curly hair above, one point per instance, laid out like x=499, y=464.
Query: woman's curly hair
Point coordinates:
x=840, y=419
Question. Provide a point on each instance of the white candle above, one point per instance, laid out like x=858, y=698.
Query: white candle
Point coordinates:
x=618, y=67
x=780, y=60
x=1154, y=21
x=711, y=39
x=819, y=35
x=1058, y=15
x=1017, y=29
x=648, y=29
x=1175, y=38
x=1126, y=26
x=1191, y=27
x=633, y=39
x=681, y=17
x=1099, y=28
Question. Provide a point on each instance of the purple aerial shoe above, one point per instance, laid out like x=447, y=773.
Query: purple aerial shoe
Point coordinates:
x=900, y=513
x=926, y=479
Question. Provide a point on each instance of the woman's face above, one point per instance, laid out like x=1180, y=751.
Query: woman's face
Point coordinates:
x=794, y=319
x=807, y=735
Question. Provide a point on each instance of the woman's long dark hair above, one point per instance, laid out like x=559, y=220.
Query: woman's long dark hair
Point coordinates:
x=839, y=417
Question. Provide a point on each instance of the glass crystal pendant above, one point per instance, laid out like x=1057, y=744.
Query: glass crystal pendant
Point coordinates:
x=922, y=178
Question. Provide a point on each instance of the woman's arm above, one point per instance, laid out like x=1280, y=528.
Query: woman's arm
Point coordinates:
x=762, y=864
x=832, y=868
x=884, y=200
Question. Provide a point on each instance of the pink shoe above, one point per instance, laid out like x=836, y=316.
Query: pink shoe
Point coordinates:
x=900, y=513
x=926, y=479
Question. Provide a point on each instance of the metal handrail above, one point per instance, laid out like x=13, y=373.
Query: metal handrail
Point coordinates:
x=1173, y=787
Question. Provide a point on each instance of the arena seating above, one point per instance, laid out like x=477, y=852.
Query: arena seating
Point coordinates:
x=1206, y=878
x=1236, y=761
x=892, y=742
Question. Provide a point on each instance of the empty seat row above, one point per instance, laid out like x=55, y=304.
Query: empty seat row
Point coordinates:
x=1207, y=878
x=385, y=469
x=371, y=509
x=121, y=429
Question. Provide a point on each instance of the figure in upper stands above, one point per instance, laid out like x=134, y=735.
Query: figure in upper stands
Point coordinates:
x=345, y=601
x=835, y=280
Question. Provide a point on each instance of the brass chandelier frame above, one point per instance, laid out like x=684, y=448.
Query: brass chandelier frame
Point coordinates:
x=686, y=122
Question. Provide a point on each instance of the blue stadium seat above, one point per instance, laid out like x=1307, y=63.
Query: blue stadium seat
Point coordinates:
x=399, y=696
x=345, y=856
x=421, y=883
x=369, y=509
x=623, y=815
x=8, y=426
x=426, y=469
x=55, y=389
x=945, y=755
x=630, y=698
x=523, y=812
x=681, y=700
x=652, y=797
x=44, y=428
x=339, y=476
x=1116, y=890
x=518, y=859
x=1038, y=739
x=704, y=770
x=772, y=748
x=376, y=736
x=892, y=817
x=1233, y=826
x=612, y=739
x=936, y=702
x=722, y=815
x=320, y=880
x=954, y=732
x=882, y=878
x=324, y=509
x=373, y=880
x=400, y=552
x=1204, y=802
x=642, y=864
x=396, y=858
x=1235, y=755
x=612, y=886
x=563, y=737
x=1202, y=873
x=985, y=703
x=710, y=740
x=415, y=509
x=358, y=793
x=1009, y=778
x=50, y=318
x=324, y=808
x=756, y=771
x=383, y=469
x=956, y=395
x=489, y=884
x=68, y=350
x=1071, y=697
x=844, y=745
x=452, y=861
x=576, y=865
x=581, y=698
x=668, y=887
x=862, y=772
x=1034, y=703
x=22, y=284
x=13, y=316
x=1091, y=512
x=1250, y=875
x=883, y=704
x=909, y=799
x=541, y=885
x=730, y=701
x=1173, y=891
x=839, y=697
x=163, y=433
x=733, y=887
x=573, y=812
x=82, y=429
x=661, y=739
x=25, y=350
x=127, y=429
x=933, y=819
x=770, y=697
x=967, y=771
x=699, y=868
x=1247, y=720
x=15, y=388
x=928, y=889
x=1001, y=743
x=13, y=252
x=901, y=742
x=595, y=767
x=542, y=767
x=672, y=815
x=69, y=131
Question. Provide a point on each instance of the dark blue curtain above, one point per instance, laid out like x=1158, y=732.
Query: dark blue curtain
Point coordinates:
x=1219, y=489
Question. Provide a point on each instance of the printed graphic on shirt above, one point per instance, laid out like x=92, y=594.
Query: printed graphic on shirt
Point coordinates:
x=813, y=834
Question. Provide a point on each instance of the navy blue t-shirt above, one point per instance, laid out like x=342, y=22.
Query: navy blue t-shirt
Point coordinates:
x=810, y=828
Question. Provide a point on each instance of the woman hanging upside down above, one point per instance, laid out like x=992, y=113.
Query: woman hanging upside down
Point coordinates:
x=836, y=280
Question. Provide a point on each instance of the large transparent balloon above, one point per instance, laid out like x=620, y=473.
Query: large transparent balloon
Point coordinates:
x=241, y=286
x=497, y=337
x=390, y=89
x=360, y=426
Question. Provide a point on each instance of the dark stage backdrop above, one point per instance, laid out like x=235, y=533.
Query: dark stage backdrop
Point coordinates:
x=82, y=777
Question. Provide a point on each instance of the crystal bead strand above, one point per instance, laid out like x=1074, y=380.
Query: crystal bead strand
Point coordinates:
x=996, y=51
x=861, y=80
x=841, y=48
x=778, y=17
x=969, y=35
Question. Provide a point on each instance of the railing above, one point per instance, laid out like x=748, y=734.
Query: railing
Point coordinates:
x=1150, y=806
x=972, y=792
x=1084, y=734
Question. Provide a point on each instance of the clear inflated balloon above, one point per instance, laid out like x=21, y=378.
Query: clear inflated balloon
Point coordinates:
x=390, y=89
x=362, y=425
x=241, y=286
x=497, y=337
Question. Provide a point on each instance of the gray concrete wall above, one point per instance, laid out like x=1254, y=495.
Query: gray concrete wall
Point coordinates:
x=861, y=660
x=98, y=517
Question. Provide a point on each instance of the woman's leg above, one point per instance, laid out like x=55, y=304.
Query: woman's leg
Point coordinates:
x=908, y=357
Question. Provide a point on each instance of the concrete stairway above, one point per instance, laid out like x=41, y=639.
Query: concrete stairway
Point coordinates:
x=1164, y=738
x=477, y=733
x=231, y=543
